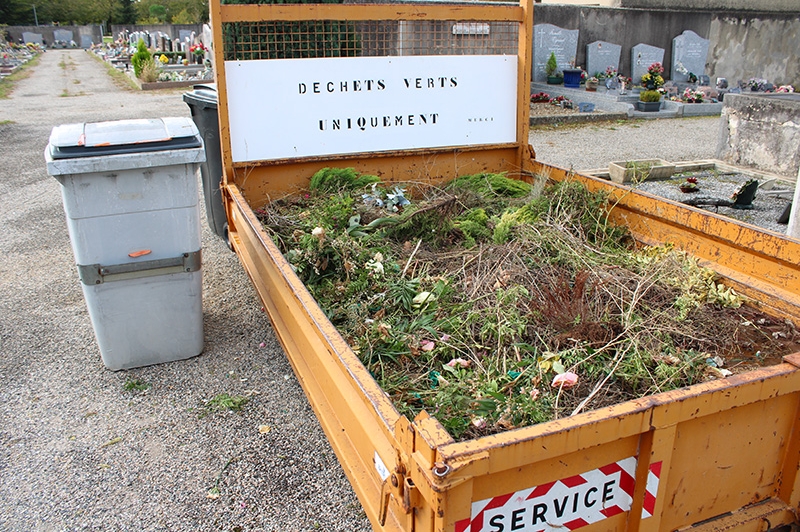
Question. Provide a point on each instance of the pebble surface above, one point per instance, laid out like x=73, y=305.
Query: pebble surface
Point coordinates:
x=80, y=452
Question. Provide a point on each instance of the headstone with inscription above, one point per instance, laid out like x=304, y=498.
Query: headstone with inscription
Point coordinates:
x=642, y=56
x=32, y=38
x=549, y=38
x=689, y=52
x=600, y=55
x=62, y=35
x=207, y=41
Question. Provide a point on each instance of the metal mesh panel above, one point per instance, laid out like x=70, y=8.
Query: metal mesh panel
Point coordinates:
x=375, y=38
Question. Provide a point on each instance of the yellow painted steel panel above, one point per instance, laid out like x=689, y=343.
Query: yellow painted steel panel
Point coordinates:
x=740, y=433
x=727, y=461
x=352, y=12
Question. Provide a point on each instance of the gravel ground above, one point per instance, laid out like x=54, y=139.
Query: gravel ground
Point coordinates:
x=60, y=409
x=78, y=451
x=765, y=211
x=592, y=146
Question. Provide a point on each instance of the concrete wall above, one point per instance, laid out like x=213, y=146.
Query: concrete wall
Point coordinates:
x=764, y=46
x=762, y=6
x=94, y=31
x=743, y=45
x=761, y=132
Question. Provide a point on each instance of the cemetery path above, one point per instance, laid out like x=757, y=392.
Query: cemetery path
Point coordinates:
x=592, y=146
x=84, y=448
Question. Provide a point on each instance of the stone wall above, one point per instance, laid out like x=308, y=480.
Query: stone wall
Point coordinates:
x=80, y=34
x=764, y=46
x=763, y=6
x=743, y=45
x=761, y=131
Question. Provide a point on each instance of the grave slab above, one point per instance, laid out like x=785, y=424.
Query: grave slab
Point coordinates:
x=62, y=35
x=689, y=53
x=549, y=38
x=601, y=55
x=642, y=56
x=32, y=38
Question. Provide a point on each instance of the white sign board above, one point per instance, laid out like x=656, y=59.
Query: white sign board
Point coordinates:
x=286, y=108
x=566, y=504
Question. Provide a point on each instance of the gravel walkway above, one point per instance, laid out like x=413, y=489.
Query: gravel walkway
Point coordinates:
x=593, y=146
x=61, y=411
x=80, y=452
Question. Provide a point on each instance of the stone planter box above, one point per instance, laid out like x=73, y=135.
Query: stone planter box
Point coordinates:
x=702, y=109
x=623, y=172
x=648, y=107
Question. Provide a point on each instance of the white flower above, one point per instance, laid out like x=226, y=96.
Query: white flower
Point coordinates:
x=422, y=298
x=375, y=267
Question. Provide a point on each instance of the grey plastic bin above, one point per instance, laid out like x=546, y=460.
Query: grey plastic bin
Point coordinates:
x=202, y=102
x=130, y=196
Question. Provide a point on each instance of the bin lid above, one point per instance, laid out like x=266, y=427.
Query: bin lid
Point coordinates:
x=118, y=137
x=204, y=94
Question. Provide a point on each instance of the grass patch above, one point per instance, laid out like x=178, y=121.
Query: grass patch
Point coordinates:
x=6, y=122
x=8, y=83
x=136, y=385
x=224, y=403
x=611, y=125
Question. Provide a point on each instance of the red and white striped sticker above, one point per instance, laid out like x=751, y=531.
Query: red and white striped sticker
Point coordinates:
x=568, y=503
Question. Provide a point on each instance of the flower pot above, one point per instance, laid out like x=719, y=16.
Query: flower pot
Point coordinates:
x=591, y=86
x=648, y=107
x=688, y=189
x=572, y=78
x=554, y=80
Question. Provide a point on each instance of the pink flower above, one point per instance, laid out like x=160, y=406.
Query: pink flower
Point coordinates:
x=458, y=362
x=427, y=345
x=534, y=394
x=565, y=380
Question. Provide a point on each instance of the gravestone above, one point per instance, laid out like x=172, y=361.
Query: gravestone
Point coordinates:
x=86, y=41
x=62, y=35
x=642, y=56
x=601, y=55
x=671, y=87
x=549, y=38
x=689, y=52
x=32, y=38
x=208, y=40
x=185, y=34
